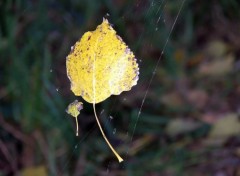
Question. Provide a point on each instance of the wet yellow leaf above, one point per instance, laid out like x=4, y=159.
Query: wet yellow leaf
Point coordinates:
x=74, y=110
x=101, y=65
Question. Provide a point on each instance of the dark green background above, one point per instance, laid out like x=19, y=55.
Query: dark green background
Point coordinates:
x=35, y=38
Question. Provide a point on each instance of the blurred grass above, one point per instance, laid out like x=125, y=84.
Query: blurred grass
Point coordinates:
x=37, y=35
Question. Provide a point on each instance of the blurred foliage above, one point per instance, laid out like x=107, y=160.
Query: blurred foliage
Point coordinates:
x=180, y=130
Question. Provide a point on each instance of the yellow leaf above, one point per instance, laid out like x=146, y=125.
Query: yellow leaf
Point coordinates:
x=218, y=67
x=226, y=127
x=181, y=126
x=223, y=129
x=36, y=171
x=101, y=65
x=217, y=49
x=74, y=110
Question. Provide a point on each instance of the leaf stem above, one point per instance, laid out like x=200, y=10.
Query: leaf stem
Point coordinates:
x=76, y=126
x=100, y=127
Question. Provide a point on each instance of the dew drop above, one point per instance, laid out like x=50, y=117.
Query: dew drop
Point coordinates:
x=57, y=89
x=76, y=146
x=156, y=29
x=102, y=112
x=111, y=117
x=114, y=131
x=50, y=70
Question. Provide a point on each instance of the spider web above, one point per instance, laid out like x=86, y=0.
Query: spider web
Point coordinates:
x=159, y=13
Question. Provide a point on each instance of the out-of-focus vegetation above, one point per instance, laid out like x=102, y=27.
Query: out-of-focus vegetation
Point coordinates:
x=189, y=123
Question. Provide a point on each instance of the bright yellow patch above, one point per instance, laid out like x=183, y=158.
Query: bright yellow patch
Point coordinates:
x=74, y=108
x=98, y=66
x=101, y=65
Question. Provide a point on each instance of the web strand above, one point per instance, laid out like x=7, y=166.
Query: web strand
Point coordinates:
x=155, y=68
